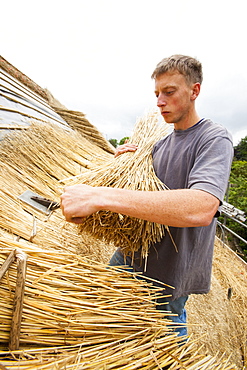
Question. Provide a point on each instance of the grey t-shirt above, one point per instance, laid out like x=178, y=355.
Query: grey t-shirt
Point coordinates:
x=197, y=158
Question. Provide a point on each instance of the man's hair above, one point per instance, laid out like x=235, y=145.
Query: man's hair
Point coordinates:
x=189, y=67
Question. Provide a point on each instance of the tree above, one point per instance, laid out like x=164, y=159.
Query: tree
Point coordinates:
x=114, y=142
x=238, y=198
x=122, y=141
x=240, y=150
x=238, y=188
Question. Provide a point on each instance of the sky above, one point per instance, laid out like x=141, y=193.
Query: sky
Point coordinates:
x=97, y=56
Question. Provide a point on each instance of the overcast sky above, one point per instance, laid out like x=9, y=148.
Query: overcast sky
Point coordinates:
x=97, y=56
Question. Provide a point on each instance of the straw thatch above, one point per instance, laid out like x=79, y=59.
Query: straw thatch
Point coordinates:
x=19, y=76
x=56, y=152
x=217, y=321
x=132, y=170
x=106, y=315
x=219, y=318
x=36, y=159
x=29, y=224
x=79, y=122
x=20, y=172
x=29, y=102
x=67, y=298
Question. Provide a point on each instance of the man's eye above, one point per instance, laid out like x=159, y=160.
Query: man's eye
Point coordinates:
x=170, y=92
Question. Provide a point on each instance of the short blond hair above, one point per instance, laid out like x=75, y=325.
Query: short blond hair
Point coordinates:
x=189, y=67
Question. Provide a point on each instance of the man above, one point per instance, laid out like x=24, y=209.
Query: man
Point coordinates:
x=194, y=161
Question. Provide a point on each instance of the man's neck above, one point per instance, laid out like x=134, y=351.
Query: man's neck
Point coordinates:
x=189, y=122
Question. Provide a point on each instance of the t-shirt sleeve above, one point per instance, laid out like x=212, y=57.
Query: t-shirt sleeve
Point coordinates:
x=212, y=167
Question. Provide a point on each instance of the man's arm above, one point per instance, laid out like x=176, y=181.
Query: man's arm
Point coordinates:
x=178, y=208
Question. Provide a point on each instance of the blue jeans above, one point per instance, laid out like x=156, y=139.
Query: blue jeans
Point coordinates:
x=165, y=304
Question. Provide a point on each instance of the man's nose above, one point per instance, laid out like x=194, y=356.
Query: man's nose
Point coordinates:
x=160, y=101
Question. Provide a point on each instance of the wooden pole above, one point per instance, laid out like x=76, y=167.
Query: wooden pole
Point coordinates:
x=18, y=300
x=7, y=263
x=3, y=367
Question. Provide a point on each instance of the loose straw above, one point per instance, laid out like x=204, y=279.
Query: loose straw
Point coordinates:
x=80, y=314
x=132, y=170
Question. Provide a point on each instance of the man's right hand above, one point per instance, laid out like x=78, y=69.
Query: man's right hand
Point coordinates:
x=125, y=148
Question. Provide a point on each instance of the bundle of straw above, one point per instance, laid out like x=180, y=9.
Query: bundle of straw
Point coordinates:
x=132, y=170
x=68, y=298
x=91, y=316
x=148, y=353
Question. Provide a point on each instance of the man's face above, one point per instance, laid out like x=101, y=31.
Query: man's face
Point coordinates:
x=174, y=97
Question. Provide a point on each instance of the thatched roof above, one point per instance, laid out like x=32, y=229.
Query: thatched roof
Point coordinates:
x=21, y=77
x=219, y=318
x=40, y=158
x=22, y=101
x=28, y=162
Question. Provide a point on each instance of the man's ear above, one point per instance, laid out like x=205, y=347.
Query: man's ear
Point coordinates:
x=195, y=90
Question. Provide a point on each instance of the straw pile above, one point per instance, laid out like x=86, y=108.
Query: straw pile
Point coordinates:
x=90, y=316
x=219, y=319
x=132, y=170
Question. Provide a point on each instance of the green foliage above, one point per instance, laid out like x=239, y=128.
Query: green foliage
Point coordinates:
x=240, y=151
x=114, y=142
x=122, y=141
x=238, y=197
x=238, y=182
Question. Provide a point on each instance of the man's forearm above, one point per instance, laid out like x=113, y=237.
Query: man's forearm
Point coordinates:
x=179, y=208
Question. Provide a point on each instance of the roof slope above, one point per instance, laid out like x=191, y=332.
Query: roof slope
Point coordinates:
x=22, y=101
